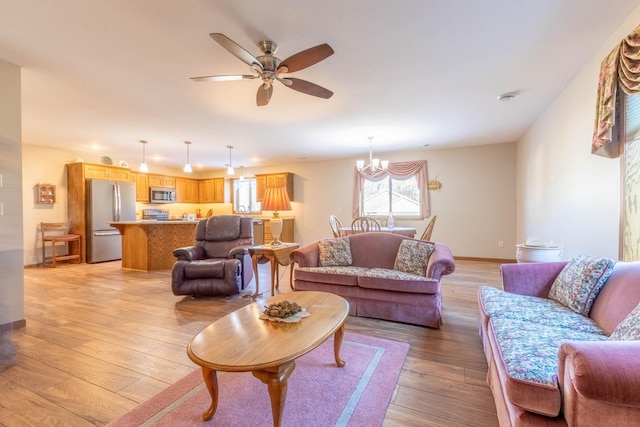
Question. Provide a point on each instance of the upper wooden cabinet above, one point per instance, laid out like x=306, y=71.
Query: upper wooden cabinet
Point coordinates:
x=104, y=172
x=283, y=179
x=187, y=190
x=162, y=181
x=211, y=190
x=142, y=186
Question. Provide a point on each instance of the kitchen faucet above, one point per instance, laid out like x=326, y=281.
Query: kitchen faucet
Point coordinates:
x=242, y=209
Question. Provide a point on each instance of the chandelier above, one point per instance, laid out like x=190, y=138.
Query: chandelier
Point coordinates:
x=375, y=165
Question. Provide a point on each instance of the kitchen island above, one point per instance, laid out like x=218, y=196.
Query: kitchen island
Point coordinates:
x=148, y=244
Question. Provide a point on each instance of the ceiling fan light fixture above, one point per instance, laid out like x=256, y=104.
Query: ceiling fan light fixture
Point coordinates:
x=187, y=166
x=270, y=68
x=143, y=166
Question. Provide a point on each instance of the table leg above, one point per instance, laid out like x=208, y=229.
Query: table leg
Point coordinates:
x=337, y=343
x=276, y=381
x=274, y=272
x=211, y=381
x=254, y=261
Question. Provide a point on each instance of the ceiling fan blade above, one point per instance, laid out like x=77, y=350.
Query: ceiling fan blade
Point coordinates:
x=306, y=58
x=236, y=50
x=224, y=78
x=264, y=94
x=309, y=88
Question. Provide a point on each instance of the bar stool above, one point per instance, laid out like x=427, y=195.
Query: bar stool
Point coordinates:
x=58, y=232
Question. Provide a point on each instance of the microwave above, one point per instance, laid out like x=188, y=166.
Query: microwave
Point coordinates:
x=162, y=195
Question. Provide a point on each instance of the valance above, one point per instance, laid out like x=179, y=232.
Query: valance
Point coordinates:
x=621, y=68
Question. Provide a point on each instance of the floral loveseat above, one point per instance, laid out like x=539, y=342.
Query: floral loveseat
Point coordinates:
x=382, y=275
x=561, y=341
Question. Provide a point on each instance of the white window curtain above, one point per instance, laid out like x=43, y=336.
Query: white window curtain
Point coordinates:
x=400, y=171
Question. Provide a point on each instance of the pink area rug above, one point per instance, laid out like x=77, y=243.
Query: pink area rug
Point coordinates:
x=319, y=394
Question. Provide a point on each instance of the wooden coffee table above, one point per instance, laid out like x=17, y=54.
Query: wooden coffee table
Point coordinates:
x=240, y=342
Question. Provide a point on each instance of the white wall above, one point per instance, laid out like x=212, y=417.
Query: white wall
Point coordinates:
x=11, y=246
x=565, y=193
x=475, y=207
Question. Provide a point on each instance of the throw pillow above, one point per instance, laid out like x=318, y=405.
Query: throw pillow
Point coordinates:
x=413, y=257
x=629, y=328
x=334, y=252
x=580, y=281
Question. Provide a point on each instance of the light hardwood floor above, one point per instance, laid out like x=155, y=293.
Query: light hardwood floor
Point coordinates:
x=99, y=340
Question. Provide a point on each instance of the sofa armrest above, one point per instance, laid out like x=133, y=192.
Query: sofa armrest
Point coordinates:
x=440, y=262
x=306, y=256
x=239, y=252
x=189, y=253
x=603, y=372
x=532, y=278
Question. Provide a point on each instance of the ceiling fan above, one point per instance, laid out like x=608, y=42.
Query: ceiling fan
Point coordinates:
x=270, y=68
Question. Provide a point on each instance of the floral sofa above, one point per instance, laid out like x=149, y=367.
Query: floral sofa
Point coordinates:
x=382, y=275
x=561, y=341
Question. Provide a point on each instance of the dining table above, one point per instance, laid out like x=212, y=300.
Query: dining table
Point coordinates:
x=405, y=231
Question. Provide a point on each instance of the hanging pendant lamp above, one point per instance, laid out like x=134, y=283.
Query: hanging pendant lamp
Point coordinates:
x=143, y=166
x=187, y=166
x=230, y=170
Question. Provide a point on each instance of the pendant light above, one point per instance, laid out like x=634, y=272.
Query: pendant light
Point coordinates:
x=241, y=173
x=230, y=170
x=187, y=166
x=143, y=165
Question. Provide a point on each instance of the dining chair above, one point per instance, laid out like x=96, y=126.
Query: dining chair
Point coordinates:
x=364, y=224
x=336, y=225
x=427, y=231
x=55, y=233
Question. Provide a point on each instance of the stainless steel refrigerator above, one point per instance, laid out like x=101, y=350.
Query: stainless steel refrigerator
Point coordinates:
x=107, y=201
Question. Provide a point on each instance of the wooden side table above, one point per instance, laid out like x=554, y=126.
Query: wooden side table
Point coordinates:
x=277, y=255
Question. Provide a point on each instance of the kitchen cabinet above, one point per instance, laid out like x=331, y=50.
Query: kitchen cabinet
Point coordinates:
x=142, y=186
x=283, y=179
x=162, y=181
x=104, y=172
x=187, y=190
x=211, y=190
x=287, y=231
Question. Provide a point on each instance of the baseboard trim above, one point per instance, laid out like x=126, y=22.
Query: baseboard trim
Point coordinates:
x=14, y=325
x=502, y=260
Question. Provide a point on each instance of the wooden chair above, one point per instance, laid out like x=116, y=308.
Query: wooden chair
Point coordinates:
x=55, y=233
x=336, y=225
x=427, y=231
x=364, y=224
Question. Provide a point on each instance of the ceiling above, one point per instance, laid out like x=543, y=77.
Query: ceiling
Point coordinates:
x=98, y=76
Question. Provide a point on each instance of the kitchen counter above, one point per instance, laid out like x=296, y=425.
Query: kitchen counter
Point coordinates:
x=149, y=244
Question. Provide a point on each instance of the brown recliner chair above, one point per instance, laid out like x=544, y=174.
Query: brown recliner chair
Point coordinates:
x=219, y=263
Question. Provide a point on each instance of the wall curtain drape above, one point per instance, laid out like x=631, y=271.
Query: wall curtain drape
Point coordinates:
x=621, y=68
x=399, y=170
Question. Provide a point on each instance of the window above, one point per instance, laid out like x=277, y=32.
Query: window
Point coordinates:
x=401, y=188
x=244, y=196
x=402, y=197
